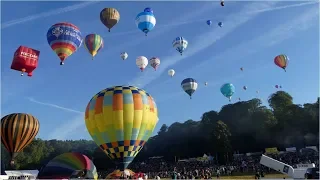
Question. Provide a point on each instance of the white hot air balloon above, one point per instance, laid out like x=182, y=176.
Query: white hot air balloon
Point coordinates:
x=124, y=55
x=205, y=83
x=171, y=72
x=142, y=62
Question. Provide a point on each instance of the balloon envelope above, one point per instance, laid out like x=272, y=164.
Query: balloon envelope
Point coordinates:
x=189, y=85
x=145, y=21
x=180, y=44
x=171, y=72
x=227, y=90
x=209, y=22
x=154, y=62
x=17, y=131
x=93, y=43
x=120, y=119
x=148, y=9
x=142, y=62
x=109, y=17
x=124, y=55
x=281, y=61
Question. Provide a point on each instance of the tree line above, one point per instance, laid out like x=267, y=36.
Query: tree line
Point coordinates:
x=244, y=126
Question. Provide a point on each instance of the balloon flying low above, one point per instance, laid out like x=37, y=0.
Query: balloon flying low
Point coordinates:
x=121, y=117
x=189, y=85
x=171, y=72
x=227, y=90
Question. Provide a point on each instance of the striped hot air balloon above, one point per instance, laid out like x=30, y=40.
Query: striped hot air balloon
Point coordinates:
x=282, y=61
x=145, y=21
x=120, y=120
x=180, y=44
x=64, y=39
x=189, y=85
x=93, y=43
x=154, y=62
x=109, y=17
x=17, y=131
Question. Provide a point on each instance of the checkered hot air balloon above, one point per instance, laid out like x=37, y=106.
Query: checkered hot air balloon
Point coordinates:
x=145, y=21
x=64, y=39
x=189, y=85
x=120, y=119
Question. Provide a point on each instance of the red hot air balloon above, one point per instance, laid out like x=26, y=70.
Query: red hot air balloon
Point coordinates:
x=281, y=61
x=25, y=59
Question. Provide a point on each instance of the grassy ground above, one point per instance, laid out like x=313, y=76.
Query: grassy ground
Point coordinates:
x=267, y=176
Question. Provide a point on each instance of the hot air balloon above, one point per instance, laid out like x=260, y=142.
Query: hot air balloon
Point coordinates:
x=124, y=55
x=171, y=72
x=121, y=119
x=154, y=62
x=241, y=68
x=245, y=87
x=109, y=17
x=64, y=39
x=142, y=62
x=239, y=99
x=68, y=164
x=17, y=131
x=145, y=21
x=222, y=3
x=93, y=43
x=180, y=44
x=148, y=9
x=209, y=22
x=281, y=61
x=25, y=59
x=205, y=83
x=220, y=24
x=227, y=90
x=276, y=86
x=189, y=85
x=280, y=86
x=257, y=92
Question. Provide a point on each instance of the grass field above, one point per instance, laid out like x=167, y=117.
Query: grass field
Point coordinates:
x=267, y=176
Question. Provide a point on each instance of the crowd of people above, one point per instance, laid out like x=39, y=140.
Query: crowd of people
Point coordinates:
x=156, y=168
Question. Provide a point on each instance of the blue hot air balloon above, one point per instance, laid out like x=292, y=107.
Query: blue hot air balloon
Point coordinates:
x=180, y=44
x=220, y=24
x=145, y=21
x=148, y=9
x=209, y=22
x=189, y=86
x=228, y=90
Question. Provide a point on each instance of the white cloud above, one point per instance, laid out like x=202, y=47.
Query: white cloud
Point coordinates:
x=54, y=106
x=47, y=14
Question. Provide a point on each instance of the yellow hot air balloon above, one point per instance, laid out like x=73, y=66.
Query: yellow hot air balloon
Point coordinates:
x=120, y=120
x=109, y=17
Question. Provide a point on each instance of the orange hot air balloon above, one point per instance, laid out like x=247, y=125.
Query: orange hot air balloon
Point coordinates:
x=281, y=61
x=17, y=131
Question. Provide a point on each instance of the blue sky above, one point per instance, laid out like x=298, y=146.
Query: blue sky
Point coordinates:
x=252, y=35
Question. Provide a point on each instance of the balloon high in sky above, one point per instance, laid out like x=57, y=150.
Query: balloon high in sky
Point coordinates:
x=109, y=17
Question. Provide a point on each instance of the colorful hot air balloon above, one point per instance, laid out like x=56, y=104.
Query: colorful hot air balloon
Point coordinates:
x=245, y=87
x=276, y=86
x=109, y=17
x=241, y=68
x=145, y=21
x=281, y=61
x=189, y=86
x=68, y=164
x=141, y=62
x=64, y=39
x=17, y=131
x=220, y=24
x=148, y=9
x=180, y=44
x=209, y=22
x=171, y=72
x=154, y=62
x=124, y=55
x=25, y=59
x=93, y=43
x=120, y=120
x=228, y=90
x=222, y=3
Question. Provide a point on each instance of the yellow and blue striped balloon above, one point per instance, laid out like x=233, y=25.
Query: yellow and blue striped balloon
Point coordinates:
x=93, y=43
x=120, y=120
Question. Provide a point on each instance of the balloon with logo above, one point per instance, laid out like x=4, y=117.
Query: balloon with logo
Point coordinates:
x=64, y=39
x=228, y=90
x=109, y=17
x=220, y=24
x=189, y=85
x=121, y=119
x=142, y=62
x=180, y=44
x=154, y=62
x=124, y=55
x=245, y=87
x=93, y=43
x=145, y=21
x=17, y=131
x=209, y=22
x=148, y=9
x=282, y=61
x=171, y=72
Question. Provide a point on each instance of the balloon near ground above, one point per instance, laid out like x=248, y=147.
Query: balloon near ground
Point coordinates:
x=120, y=120
x=17, y=131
